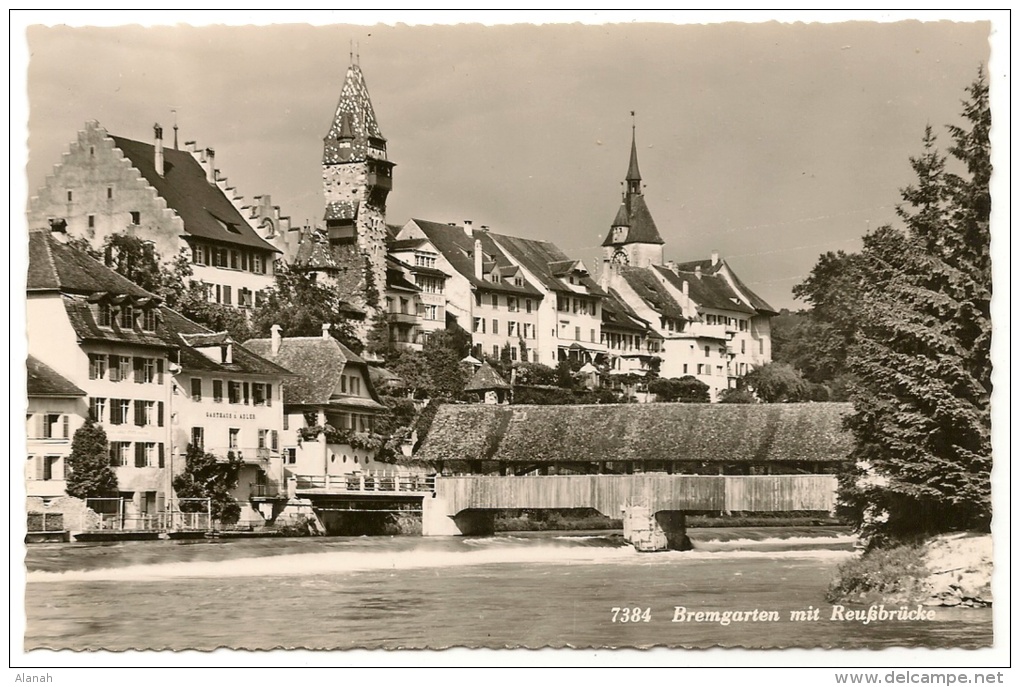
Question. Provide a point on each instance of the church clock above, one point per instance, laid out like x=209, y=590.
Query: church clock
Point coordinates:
x=620, y=258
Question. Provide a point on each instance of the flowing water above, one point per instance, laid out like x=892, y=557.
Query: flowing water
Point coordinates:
x=528, y=589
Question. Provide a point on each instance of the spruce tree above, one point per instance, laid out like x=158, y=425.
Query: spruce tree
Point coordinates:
x=90, y=473
x=922, y=374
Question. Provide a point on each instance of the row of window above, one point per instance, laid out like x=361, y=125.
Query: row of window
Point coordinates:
x=48, y=426
x=118, y=411
x=125, y=316
x=146, y=454
x=267, y=438
x=429, y=284
x=524, y=330
x=579, y=306
x=728, y=321
x=513, y=303
x=424, y=260
x=121, y=368
x=478, y=351
x=224, y=294
x=577, y=333
x=45, y=468
x=229, y=258
x=242, y=393
x=350, y=384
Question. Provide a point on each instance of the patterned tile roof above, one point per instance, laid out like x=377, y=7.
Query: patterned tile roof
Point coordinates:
x=354, y=124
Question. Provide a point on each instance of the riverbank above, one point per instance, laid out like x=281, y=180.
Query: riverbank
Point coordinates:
x=947, y=570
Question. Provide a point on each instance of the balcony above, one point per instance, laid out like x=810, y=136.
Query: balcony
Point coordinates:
x=401, y=318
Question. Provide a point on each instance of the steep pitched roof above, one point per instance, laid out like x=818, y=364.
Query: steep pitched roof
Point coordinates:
x=708, y=291
x=43, y=380
x=317, y=363
x=616, y=313
x=647, y=286
x=395, y=278
x=80, y=315
x=700, y=432
x=354, y=121
x=546, y=261
x=54, y=266
x=188, y=336
x=757, y=302
x=486, y=379
x=206, y=212
x=458, y=250
x=638, y=218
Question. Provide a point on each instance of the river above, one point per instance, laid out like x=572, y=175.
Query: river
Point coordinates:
x=522, y=589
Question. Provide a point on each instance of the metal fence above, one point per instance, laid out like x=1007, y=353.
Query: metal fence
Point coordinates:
x=111, y=514
x=368, y=482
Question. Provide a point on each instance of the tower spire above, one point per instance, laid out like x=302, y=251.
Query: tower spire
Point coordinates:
x=633, y=173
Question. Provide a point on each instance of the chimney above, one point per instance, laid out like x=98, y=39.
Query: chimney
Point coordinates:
x=210, y=165
x=58, y=229
x=697, y=271
x=478, y=259
x=715, y=258
x=686, y=288
x=158, y=146
x=673, y=266
x=467, y=227
x=277, y=339
x=325, y=330
x=485, y=227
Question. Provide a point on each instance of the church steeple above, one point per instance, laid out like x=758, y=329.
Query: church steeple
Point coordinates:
x=354, y=134
x=633, y=173
x=633, y=238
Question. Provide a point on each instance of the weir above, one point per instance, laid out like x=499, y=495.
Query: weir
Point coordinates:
x=653, y=506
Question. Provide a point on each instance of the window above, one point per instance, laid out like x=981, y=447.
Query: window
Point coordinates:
x=562, y=303
x=245, y=298
x=286, y=421
x=495, y=326
x=92, y=221
x=761, y=346
x=54, y=426
x=97, y=365
x=120, y=368
x=198, y=437
x=233, y=437
x=247, y=393
x=70, y=196
x=527, y=304
x=495, y=351
x=274, y=440
x=104, y=315
x=198, y=255
x=291, y=456
x=743, y=346
x=136, y=217
x=701, y=369
x=234, y=392
x=196, y=389
x=262, y=437
x=343, y=384
x=118, y=453
x=149, y=319
x=743, y=325
x=511, y=328
x=120, y=408
x=577, y=333
x=478, y=298
x=258, y=394
x=127, y=317
x=226, y=295
x=511, y=304
x=97, y=409
x=217, y=391
x=109, y=192
x=707, y=350
x=235, y=260
x=593, y=336
x=513, y=353
x=495, y=300
x=356, y=386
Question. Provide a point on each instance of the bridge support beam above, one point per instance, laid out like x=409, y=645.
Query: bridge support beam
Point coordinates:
x=437, y=521
x=661, y=531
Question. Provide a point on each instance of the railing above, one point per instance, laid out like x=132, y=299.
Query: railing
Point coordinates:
x=362, y=482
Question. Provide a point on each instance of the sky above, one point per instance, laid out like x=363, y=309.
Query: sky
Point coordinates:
x=769, y=142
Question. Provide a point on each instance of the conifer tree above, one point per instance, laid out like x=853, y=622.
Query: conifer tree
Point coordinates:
x=921, y=421
x=90, y=473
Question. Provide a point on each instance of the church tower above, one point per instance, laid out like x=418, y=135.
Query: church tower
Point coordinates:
x=633, y=238
x=356, y=178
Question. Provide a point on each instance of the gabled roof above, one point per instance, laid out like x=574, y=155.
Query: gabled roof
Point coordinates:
x=707, y=291
x=188, y=336
x=699, y=432
x=648, y=287
x=486, y=378
x=43, y=380
x=616, y=313
x=546, y=261
x=757, y=302
x=206, y=212
x=406, y=244
x=458, y=249
x=54, y=266
x=317, y=364
x=638, y=218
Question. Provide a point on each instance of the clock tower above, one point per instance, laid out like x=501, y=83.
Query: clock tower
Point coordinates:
x=633, y=238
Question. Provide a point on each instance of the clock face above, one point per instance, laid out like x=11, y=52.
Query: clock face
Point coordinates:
x=620, y=258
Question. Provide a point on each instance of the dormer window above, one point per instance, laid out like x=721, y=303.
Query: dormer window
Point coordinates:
x=149, y=319
x=104, y=315
x=127, y=317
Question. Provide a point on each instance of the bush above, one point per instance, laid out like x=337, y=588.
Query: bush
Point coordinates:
x=737, y=396
x=687, y=389
x=894, y=574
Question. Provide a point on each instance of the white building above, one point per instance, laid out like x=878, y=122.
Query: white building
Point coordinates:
x=56, y=409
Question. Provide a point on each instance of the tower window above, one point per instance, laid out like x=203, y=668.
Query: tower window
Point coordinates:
x=92, y=221
x=70, y=196
x=136, y=217
x=109, y=192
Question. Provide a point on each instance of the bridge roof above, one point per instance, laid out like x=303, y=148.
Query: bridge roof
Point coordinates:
x=711, y=433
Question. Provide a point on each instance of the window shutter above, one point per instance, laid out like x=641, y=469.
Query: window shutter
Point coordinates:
x=247, y=393
x=114, y=368
x=40, y=425
x=159, y=418
x=160, y=496
x=274, y=440
x=162, y=459
x=40, y=467
x=139, y=454
x=113, y=453
x=159, y=370
x=66, y=422
x=269, y=394
x=139, y=370
x=140, y=413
